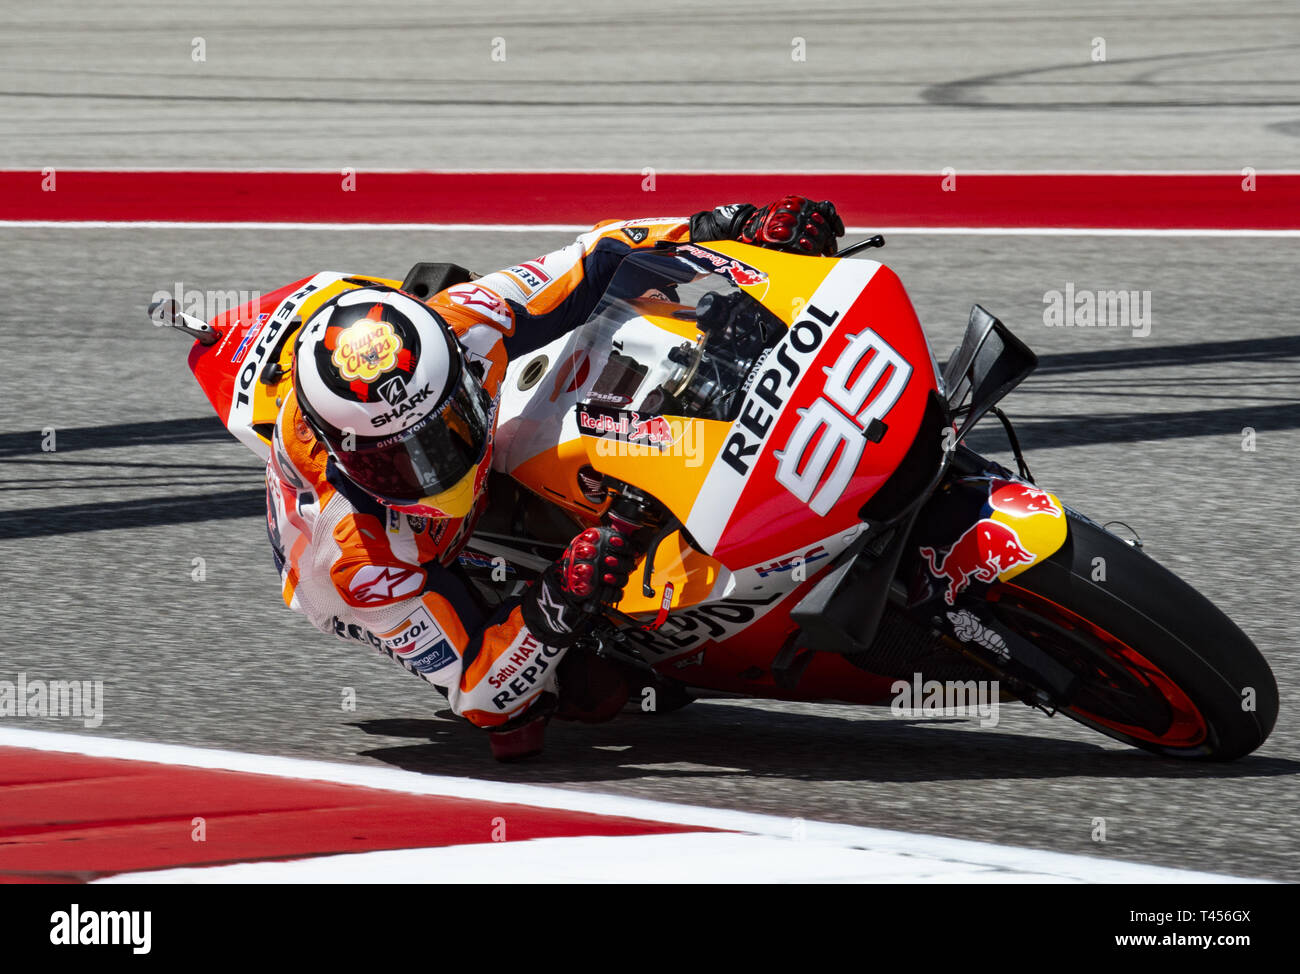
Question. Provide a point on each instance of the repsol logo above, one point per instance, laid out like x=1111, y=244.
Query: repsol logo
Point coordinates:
x=266, y=341
x=417, y=397
x=350, y=630
x=403, y=640
x=523, y=670
x=688, y=628
x=773, y=385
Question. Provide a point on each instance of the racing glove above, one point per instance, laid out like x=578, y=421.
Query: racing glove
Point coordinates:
x=795, y=224
x=592, y=572
x=721, y=223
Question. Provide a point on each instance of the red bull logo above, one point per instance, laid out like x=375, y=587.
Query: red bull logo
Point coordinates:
x=600, y=421
x=626, y=433
x=1021, y=500
x=655, y=430
x=742, y=275
x=732, y=269
x=983, y=552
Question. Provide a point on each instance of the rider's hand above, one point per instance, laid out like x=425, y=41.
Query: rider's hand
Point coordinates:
x=595, y=566
x=721, y=222
x=795, y=224
x=592, y=572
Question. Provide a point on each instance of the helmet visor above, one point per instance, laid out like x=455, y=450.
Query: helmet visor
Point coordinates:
x=431, y=456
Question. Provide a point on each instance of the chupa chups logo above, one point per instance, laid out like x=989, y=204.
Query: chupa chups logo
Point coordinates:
x=367, y=348
x=601, y=421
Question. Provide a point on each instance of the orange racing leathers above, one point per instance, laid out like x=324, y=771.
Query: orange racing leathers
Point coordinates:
x=375, y=576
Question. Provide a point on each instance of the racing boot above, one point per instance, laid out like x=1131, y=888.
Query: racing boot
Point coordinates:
x=592, y=689
x=524, y=736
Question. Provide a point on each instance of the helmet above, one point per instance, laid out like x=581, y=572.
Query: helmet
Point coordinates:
x=384, y=384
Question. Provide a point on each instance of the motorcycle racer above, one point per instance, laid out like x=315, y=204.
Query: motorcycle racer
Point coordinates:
x=381, y=453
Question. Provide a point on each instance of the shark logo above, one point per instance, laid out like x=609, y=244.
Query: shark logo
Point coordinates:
x=393, y=391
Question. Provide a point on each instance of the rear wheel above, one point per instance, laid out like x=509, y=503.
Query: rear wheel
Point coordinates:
x=1156, y=664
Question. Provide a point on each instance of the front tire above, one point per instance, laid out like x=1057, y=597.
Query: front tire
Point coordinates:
x=1157, y=665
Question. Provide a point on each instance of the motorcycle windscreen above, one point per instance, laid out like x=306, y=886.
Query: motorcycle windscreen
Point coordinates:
x=651, y=383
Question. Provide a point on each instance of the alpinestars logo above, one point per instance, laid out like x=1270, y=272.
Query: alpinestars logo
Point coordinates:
x=374, y=584
x=553, y=610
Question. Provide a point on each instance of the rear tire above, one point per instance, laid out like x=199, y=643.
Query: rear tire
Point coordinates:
x=1160, y=667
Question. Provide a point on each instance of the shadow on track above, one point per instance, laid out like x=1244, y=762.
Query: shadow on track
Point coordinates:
x=145, y=512
x=748, y=743
x=163, y=432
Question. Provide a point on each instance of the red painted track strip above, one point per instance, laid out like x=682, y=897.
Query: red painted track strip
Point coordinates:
x=1120, y=200
x=69, y=818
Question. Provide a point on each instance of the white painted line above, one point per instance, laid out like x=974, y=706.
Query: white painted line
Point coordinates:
x=583, y=228
x=1076, y=231
x=253, y=225
x=957, y=853
x=692, y=857
x=635, y=172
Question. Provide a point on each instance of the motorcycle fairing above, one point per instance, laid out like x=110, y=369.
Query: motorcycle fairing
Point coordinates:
x=845, y=318
x=238, y=373
x=797, y=461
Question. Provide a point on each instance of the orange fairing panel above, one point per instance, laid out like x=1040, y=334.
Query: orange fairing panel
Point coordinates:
x=671, y=472
x=553, y=475
x=786, y=280
x=692, y=575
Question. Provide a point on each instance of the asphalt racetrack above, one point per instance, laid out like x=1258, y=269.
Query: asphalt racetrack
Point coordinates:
x=98, y=538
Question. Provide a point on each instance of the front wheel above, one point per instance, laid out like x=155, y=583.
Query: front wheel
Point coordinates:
x=1156, y=665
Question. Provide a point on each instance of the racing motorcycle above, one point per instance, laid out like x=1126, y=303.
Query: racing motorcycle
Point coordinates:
x=791, y=461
